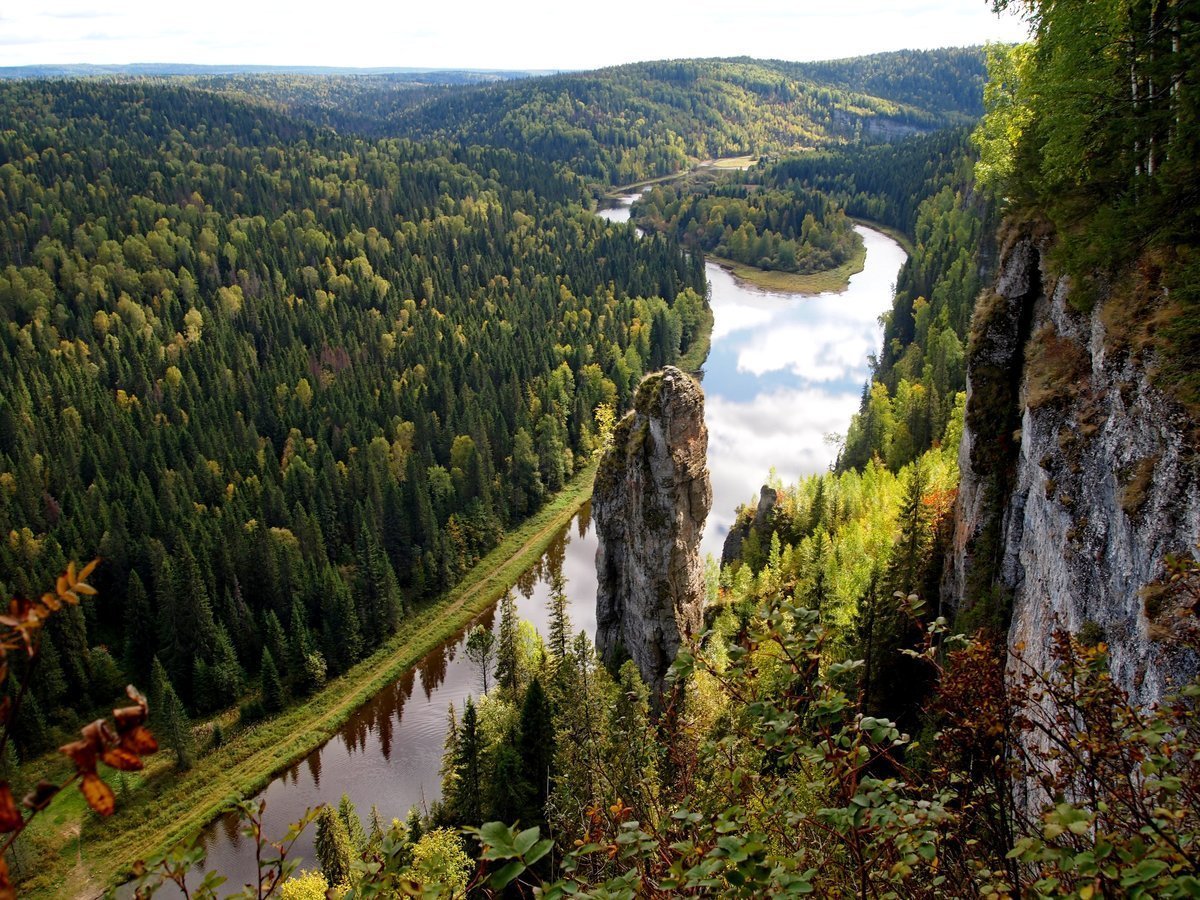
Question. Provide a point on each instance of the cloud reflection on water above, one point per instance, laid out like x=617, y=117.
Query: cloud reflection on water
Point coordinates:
x=785, y=371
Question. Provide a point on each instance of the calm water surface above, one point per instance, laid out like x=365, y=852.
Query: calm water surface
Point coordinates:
x=784, y=371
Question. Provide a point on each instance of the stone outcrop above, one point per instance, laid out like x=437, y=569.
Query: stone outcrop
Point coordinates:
x=1078, y=478
x=731, y=550
x=650, y=501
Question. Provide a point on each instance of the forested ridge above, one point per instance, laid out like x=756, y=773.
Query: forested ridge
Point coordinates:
x=286, y=383
x=643, y=120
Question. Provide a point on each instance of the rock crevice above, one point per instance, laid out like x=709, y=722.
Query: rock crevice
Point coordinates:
x=650, y=501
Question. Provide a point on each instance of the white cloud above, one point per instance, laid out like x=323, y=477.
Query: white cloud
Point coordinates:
x=534, y=34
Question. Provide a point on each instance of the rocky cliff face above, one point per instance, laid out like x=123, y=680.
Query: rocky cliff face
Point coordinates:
x=731, y=550
x=1078, y=478
x=650, y=501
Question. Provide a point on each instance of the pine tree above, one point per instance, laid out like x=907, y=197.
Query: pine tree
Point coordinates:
x=536, y=745
x=449, y=767
x=560, y=621
x=375, y=838
x=138, y=650
x=467, y=806
x=332, y=845
x=509, y=793
x=272, y=686
x=506, y=645
x=340, y=636
x=169, y=717
x=354, y=828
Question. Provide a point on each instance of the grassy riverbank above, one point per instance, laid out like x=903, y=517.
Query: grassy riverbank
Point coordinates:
x=159, y=807
x=831, y=280
x=727, y=163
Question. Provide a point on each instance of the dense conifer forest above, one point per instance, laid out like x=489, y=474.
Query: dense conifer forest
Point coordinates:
x=287, y=384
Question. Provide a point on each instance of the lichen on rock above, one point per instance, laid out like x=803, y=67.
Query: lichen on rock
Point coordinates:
x=650, y=502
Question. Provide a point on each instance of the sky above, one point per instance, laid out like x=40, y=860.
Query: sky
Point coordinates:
x=481, y=34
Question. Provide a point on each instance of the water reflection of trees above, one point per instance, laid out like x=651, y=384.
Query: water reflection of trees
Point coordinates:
x=383, y=714
x=314, y=766
x=550, y=566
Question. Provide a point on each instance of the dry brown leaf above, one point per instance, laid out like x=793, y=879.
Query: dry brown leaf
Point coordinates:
x=99, y=796
x=10, y=816
x=139, y=740
x=7, y=891
x=82, y=753
x=120, y=758
x=39, y=798
x=128, y=717
x=98, y=734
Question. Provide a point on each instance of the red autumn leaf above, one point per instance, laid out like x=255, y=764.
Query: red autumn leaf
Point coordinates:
x=120, y=758
x=82, y=753
x=10, y=816
x=128, y=718
x=140, y=741
x=98, y=734
x=39, y=798
x=7, y=891
x=99, y=796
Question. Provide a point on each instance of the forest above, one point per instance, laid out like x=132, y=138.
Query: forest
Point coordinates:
x=629, y=123
x=293, y=355
x=788, y=228
x=288, y=385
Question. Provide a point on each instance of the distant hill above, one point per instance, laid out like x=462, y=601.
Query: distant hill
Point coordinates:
x=426, y=75
x=627, y=123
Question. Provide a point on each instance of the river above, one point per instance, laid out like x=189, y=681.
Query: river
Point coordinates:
x=784, y=371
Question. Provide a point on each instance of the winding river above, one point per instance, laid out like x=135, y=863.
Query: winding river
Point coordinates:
x=784, y=371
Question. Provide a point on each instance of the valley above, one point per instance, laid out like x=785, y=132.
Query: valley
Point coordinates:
x=878, y=370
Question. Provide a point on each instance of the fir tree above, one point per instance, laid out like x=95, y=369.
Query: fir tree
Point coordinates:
x=169, y=717
x=506, y=645
x=354, y=828
x=560, y=621
x=536, y=745
x=332, y=845
x=272, y=686
x=467, y=802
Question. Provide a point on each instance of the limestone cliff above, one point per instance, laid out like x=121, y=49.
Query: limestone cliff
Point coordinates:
x=759, y=521
x=650, y=501
x=1078, y=478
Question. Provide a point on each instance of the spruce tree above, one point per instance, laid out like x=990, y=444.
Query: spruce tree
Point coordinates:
x=332, y=845
x=138, y=649
x=354, y=828
x=506, y=645
x=467, y=804
x=536, y=745
x=560, y=621
x=272, y=686
x=169, y=717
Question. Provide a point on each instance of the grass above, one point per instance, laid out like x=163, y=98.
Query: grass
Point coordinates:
x=732, y=162
x=160, y=808
x=728, y=162
x=829, y=281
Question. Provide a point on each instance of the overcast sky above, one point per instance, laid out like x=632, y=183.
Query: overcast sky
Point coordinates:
x=518, y=34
